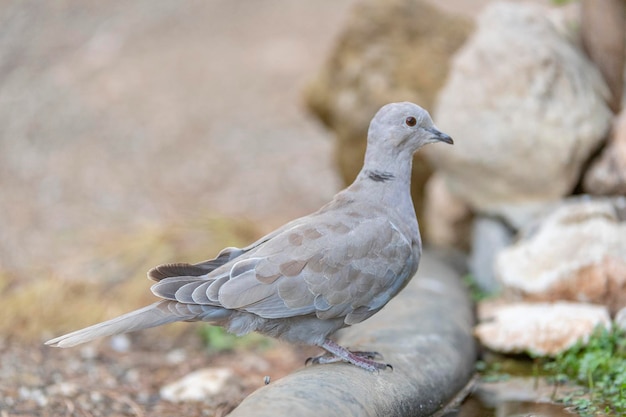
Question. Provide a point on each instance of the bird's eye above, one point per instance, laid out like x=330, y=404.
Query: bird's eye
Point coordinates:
x=410, y=121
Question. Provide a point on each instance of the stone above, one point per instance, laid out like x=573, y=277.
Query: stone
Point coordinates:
x=527, y=109
x=489, y=236
x=63, y=388
x=200, y=385
x=449, y=218
x=607, y=174
x=543, y=329
x=577, y=252
x=390, y=50
x=425, y=332
x=120, y=343
x=176, y=356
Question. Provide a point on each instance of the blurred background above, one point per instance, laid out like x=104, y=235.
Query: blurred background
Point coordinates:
x=136, y=133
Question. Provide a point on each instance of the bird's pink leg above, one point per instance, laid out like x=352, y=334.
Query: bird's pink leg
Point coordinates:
x=340, y=354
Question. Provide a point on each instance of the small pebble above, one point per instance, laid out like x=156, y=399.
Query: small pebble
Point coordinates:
x=198, y=385
x=120, y=343
x=176, y=356
x=35, y=395
x=65, y=389
x=132, y=376
x=95, y=396
x=88, y=352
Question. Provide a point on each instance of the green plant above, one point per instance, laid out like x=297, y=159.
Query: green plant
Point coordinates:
x=219, y=340
x=492, y=371
x=476, y=293
x=600, y=367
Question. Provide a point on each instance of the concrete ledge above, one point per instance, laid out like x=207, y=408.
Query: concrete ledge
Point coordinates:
x=425, y=333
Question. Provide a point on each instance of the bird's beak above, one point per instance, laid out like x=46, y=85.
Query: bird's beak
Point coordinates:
x=440, y=136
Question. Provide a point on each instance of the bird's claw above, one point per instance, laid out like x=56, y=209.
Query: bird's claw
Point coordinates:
x=362, y=359
x=368, y=354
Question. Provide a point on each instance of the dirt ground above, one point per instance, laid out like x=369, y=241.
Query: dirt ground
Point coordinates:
x=98, y=380
x=135, y=133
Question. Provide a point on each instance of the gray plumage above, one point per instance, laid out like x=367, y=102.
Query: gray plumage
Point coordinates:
x=316, y=274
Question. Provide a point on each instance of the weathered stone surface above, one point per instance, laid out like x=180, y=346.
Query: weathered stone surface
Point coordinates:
x=607, y=174
x=425, y=333
x=200, y=385
x=449, y=218
x=526, y=108
x=390, y=50
x=537, y=328
x=577, y=252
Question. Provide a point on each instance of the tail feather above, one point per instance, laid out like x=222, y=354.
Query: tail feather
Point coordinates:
x=156, y=314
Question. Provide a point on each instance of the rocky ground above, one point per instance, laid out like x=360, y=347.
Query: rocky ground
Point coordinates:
x=100, y=380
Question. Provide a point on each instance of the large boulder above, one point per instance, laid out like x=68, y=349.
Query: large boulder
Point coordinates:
x=390, y=50
x=577, y=253
x=526, y=109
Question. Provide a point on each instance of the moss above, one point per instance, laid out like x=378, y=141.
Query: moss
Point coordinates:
x=600, y=367
x=476, y=293
x=594, y=372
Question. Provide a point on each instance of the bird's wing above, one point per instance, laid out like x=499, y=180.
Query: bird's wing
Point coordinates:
x=164, y=271
x=204, y=268
x=334, y=268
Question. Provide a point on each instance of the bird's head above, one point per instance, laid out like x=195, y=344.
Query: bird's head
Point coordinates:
x=405, y=126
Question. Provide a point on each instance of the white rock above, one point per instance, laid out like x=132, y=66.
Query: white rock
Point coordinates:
x=96, y=396
x=33, y=394
x=120, y=343
x=198, y=386
x=525, y=107
x=176, y=356
x=578, y=252
x=538, y=328
x=88, y=352
x=64, y=389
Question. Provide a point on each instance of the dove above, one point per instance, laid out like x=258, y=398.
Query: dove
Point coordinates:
x=315, y=275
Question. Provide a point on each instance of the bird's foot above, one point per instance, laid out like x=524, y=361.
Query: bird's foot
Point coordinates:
x=332, y=358
x=337, y=353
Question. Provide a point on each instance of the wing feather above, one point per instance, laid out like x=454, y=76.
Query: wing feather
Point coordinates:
x=349, y=268
x=352, y=273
